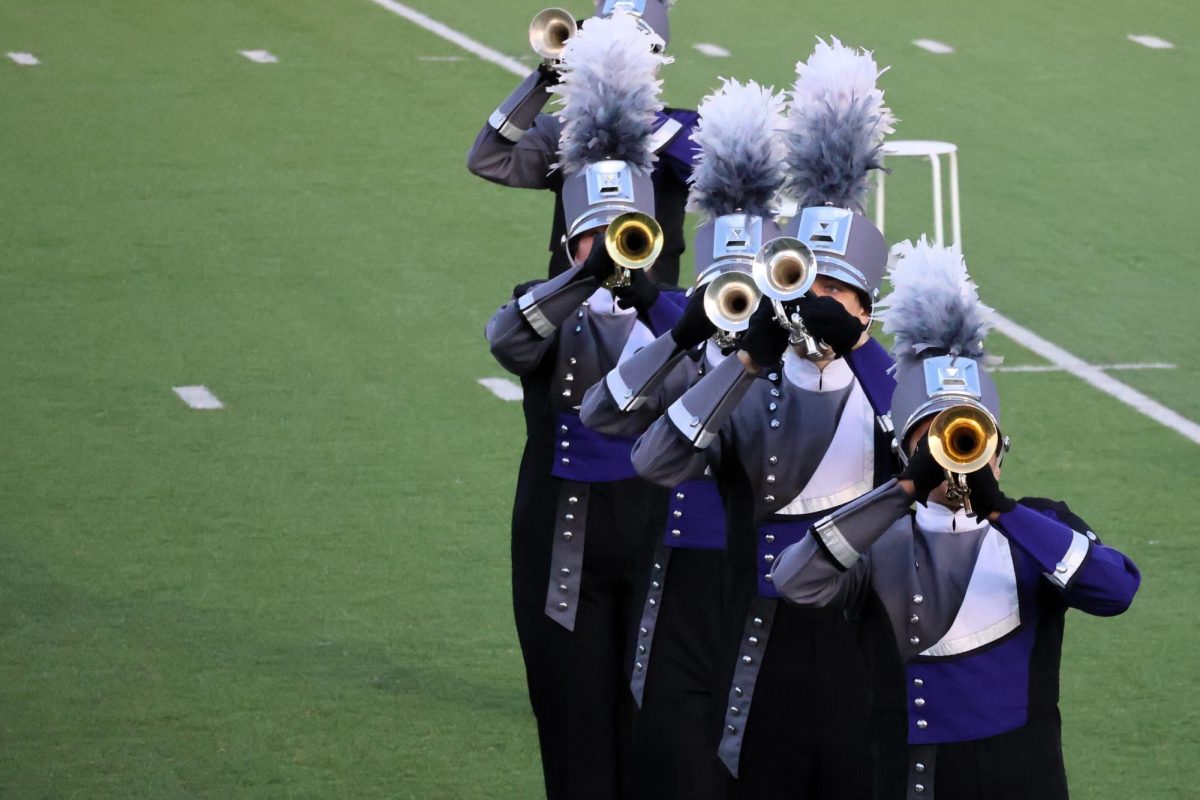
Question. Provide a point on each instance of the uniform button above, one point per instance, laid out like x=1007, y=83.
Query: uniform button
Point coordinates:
x=768, y=558
x=677, y=513
x=655, y=585
x=639, y=666
x=918, y=682
x=652, y=601
x=562, y=587
x=567, y=536
x=919, y=702
x=566, y=462
x=920, y=788
x=922, y=724
x=772, y=406
x=758, y=622
x=770, y=498
x=570, y=377
x=644, y=631
x=566, y=445
x=1061, y=567
x=773, y=460
x=770, y=479
x=657, y=567
x=579, y=315
x=753, y=640
x=919, y=767
x=676, y=532
x=695, y=421
x=769, y=538
x=642, y=649
x=569, y=517
x=737, y=690
x=564, y=428
x=774, y=376
x=914, y=640
x=572, y=500
x=679, y=495
x=628, y=393
x=734, y=710
x=774, y=393
x=747, y=660
x=730, y=729
x=768, y=578
x=562, y=606
x=572, y=361
x=578, y=328
x=566, y=573
x=1091, y=536
x=566, y=392
x=914, y=619
x=774, y=424
x=918, y=599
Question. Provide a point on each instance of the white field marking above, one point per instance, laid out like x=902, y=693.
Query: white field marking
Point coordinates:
x=260, y=56
x=934, y=46
x=714, y=50
x=1098, y=378
x=502, y=388
x=198, y=397
x=1030, y=340
x=1153, y=42
x=439, y=58
x=451, y=35
x=24, y=59
x=1057, y=368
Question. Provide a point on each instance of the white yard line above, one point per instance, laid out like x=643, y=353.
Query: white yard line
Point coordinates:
x=24, y=59
x=260, y=56
x=198, y=397
x=502, y=388
x=451, y=35
x=1098, y=378
x=1153, y=42
x=713, y=50
x=439, y=58
x=934, y=46
x=1023, y=336
x=1057, y=368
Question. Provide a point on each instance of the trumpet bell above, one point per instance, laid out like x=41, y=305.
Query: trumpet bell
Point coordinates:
x=549, y=32
x=634, y=240
x=730, y=300
x=963, y=439
x=785, y=268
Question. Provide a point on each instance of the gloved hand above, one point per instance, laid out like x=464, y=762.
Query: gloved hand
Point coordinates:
x=641, y=293
x=765, y=340
x=828, y=321
x=599, y=264
x=694, y=326
x=550, y=74
x=925, y=473
x=986, y=496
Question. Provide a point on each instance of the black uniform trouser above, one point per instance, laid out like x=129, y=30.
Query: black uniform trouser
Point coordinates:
x=579, y=680
x=675, y=733
x=1021, y=764
x=808, y=734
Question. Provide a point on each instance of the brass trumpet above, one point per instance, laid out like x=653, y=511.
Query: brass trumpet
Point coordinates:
x=785, y=269
x=730, y=300
x=962, y=439
x=633, y=241
x=549, y=32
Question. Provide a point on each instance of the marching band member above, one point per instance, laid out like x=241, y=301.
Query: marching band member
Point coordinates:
x=518, y=145
x=582, y=519
x=793, y=427
x=675, y=668
x=969, y=589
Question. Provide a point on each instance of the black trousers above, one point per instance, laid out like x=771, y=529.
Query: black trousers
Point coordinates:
x=1018, y=765
x=579, y=680
x=675, y=734
x=809, y=730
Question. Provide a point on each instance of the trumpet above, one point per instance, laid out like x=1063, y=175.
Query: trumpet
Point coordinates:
x=633, y=241
x=729, y=302
x=549, y=32
x=785, y=269
x=962, y=439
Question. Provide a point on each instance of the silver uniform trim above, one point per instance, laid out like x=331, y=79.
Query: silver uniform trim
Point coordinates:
x=836, y=543
x=683, y=419
x=663, y=135
x=622, y=395
x=529, y=309
x=885, y=423
x=1072, y=560
x=499, y=122
x=976, y=640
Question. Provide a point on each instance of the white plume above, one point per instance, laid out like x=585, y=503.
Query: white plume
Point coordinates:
x=934, y=306
x=609, y=94
x=741, y=151
x=836, y=126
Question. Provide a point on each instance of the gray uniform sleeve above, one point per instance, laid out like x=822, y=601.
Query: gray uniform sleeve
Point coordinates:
x=520, y=332
x=662, y=455
x=824, y=564
x=518, y=145
x=637, y=390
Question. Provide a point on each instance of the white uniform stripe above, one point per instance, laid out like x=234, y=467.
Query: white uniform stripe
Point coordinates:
x=1098, y=379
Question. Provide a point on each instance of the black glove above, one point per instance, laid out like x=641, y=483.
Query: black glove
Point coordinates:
x=694, y=326
x=550, y=75
x=925, y=473
x=986, y=496
x=641, y=293
x=599, y=264
x=828, y=321
x=765, y=340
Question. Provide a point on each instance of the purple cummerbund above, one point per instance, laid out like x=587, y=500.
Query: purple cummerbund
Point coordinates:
x=773, y=537
x=973, y=696
x=695, y=518
x=581, y=454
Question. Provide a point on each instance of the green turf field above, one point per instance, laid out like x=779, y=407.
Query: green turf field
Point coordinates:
x=305, y=595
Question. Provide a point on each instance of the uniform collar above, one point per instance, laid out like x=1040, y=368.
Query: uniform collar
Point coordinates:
x=936, y=518
x=603, y=302
x=808, y=376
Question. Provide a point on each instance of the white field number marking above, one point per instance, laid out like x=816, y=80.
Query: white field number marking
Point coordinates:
x=934, y=46
x=24, y=59
x=1153, y=42
x=714, y=50
x=502, y=388
x=260, y=56
x=198, y=397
